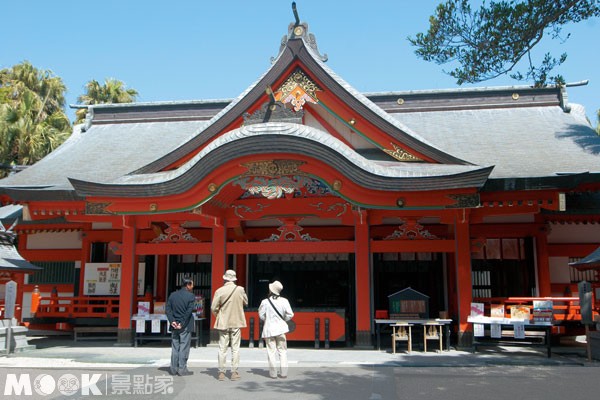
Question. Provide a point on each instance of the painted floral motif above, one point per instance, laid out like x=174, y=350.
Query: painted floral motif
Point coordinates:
x=285, y=186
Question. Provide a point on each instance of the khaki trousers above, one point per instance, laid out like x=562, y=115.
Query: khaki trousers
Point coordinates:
x=277, y=345
x=229, y=337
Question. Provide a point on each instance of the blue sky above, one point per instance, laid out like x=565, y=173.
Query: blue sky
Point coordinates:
x=191, y=50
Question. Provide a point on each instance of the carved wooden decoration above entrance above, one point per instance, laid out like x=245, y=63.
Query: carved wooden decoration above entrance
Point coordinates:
x=338, y=208
x=173, y=233
x=93, y=208
x=284, y=186
x=465, y=200
x=273, y=168
x=290, y=232
x=241, y=210
x=297, y=90
x=411, y=230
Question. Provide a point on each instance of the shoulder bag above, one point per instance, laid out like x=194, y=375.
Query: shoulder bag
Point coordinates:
x=291, y=324
x=227, y=299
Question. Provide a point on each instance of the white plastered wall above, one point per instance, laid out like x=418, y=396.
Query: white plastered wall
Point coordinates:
x=569, y=233
x=50, y=240
x=54, y=240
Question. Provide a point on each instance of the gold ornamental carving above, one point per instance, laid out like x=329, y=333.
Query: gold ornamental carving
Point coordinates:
x=400, y=154
x=297, y=90
x=273, y=168
x=92, y=208
x=471, y=200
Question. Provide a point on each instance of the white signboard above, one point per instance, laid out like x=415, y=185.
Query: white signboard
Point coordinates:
x=519, y=331
x=478, y=330
x=495, y=330
x=156, y=325
x=140, y=326
x=104, y=279
x=10, y=299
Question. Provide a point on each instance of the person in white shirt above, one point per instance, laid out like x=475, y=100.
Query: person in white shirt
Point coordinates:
x=275, y=311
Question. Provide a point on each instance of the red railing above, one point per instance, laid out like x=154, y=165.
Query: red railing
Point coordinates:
x=79, y=307
x=17, y=307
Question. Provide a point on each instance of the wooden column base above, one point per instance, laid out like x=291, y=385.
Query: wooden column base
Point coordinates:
x=364, y=340
x=465, y=340
x=124, y=337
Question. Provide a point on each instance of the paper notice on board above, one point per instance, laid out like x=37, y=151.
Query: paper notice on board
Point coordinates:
x=477, y=309
x=156, y=326
x=140, y=326
x=519, y=331
x=478, y=330
x=495, y=330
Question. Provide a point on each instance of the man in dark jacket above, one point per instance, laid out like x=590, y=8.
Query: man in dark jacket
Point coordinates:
x=180, y=308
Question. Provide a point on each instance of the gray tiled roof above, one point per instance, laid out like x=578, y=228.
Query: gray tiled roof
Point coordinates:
x=10, y=259
x=104, y=153
x=591, y=261
x=519, y=142
x=297, y=139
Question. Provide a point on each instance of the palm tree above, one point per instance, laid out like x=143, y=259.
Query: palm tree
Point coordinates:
x=32, y=118
x=113, y=91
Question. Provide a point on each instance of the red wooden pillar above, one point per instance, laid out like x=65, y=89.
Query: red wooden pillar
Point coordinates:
x=20, y=280
x=362, y=251
x=85, y=258
x=464, y=284
x=543, y=264
x=452, y=291
x=161, y=277
x=240, y=269
x=128, y=287
x=219, y=265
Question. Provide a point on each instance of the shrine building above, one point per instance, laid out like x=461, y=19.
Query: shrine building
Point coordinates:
x=344, y=197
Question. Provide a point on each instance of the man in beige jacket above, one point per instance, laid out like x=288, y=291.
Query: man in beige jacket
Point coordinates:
x=228, y=308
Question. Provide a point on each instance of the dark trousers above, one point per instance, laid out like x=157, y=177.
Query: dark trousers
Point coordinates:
x=180, y=349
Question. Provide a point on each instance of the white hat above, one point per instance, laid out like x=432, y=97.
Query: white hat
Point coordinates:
x=230, y=275
x=276, y=287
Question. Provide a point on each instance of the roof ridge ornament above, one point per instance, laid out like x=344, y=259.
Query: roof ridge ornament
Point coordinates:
x=299, y=30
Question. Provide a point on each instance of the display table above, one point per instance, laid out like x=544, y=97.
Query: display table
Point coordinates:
x=445, y=323
x=147, y=330
x=510, y=332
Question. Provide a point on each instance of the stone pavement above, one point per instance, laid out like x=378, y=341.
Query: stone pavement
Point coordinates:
x=64, y=352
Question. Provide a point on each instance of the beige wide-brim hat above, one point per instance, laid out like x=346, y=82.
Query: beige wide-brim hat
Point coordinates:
x=230, y=276
x=276, y=288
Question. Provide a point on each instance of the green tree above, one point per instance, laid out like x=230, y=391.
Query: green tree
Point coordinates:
x=32, y=118
x=113, y=91
x=491, y=40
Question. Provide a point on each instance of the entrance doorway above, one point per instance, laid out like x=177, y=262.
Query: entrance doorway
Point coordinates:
x=197, y=267
x=423, y=272
x=312, y=282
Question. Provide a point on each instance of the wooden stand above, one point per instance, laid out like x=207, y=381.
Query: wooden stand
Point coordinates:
x=432, y=330
x=401, y=332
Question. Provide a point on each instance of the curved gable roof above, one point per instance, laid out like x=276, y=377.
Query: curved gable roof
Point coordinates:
x=303, y=48
x=295, y=139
